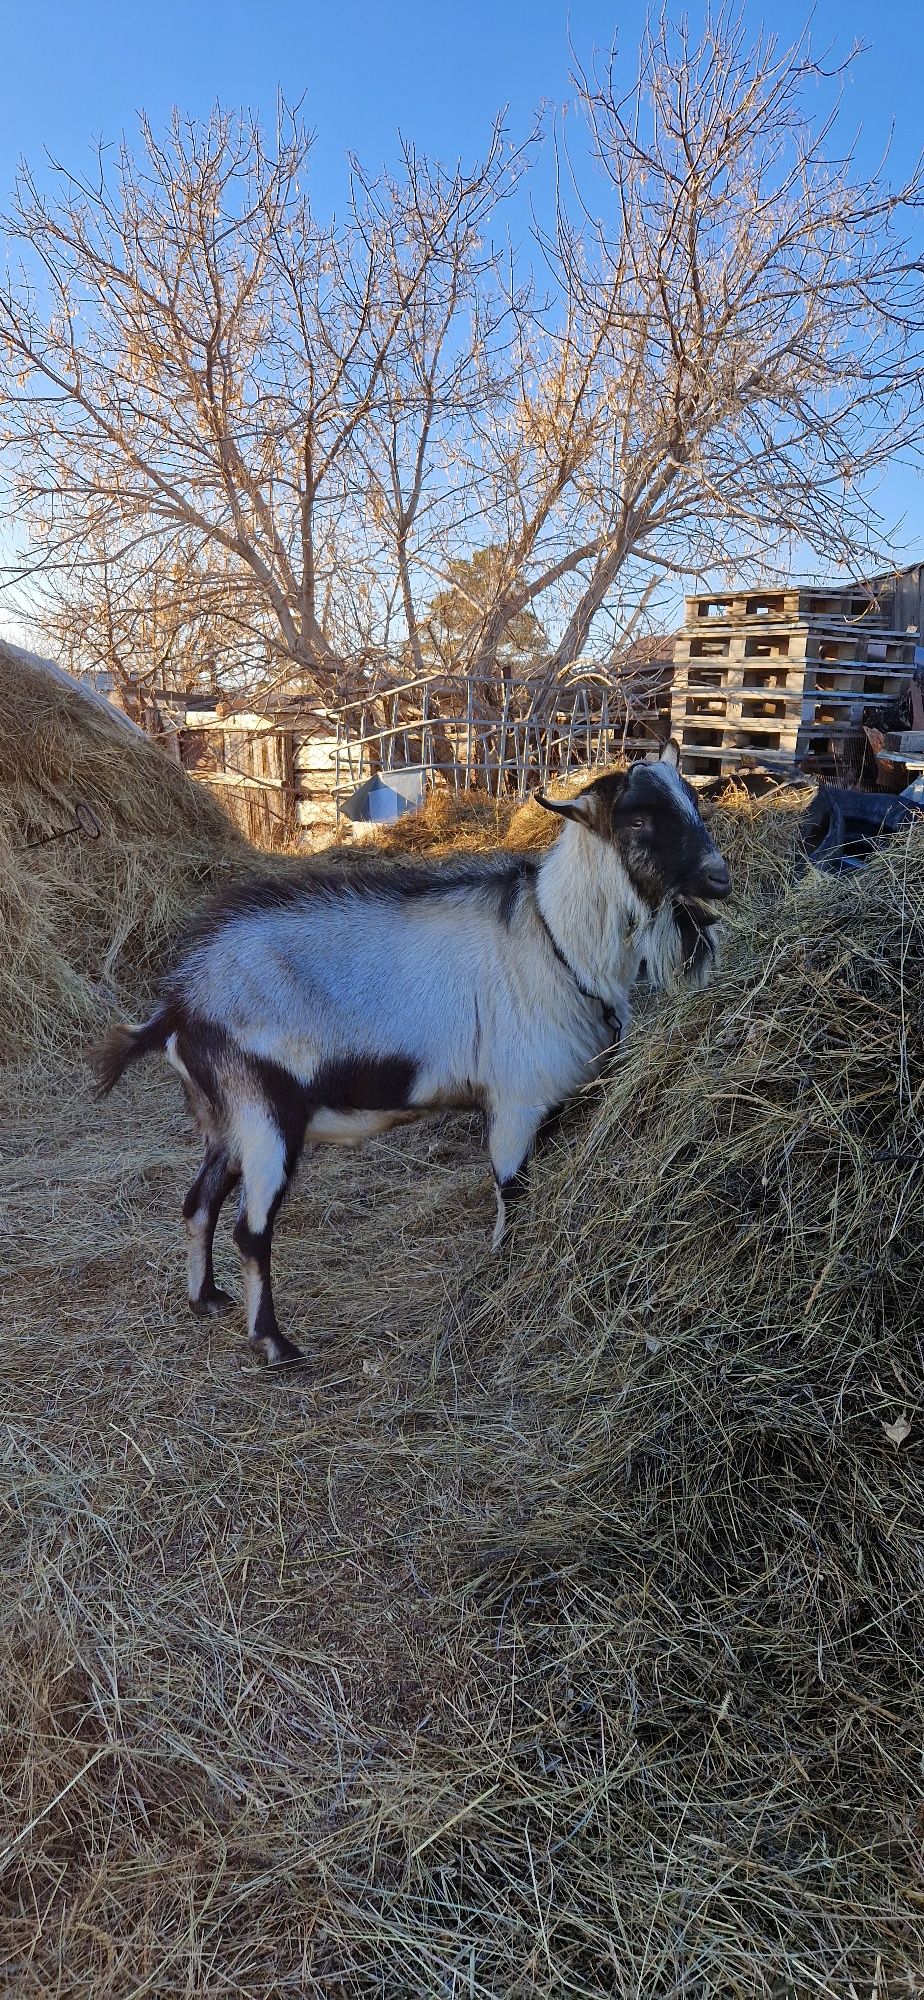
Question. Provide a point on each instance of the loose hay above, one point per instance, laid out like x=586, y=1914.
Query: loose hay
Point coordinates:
x=711, y=1334
x=465, y=822
x=559, y=1632
x=84, y=924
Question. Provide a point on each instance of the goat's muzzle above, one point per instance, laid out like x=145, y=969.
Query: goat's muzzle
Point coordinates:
x=713, y=881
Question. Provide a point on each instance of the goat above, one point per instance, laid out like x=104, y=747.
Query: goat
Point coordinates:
x=331, y=1003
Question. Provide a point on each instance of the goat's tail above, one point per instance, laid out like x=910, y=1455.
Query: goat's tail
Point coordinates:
x=124, y=1045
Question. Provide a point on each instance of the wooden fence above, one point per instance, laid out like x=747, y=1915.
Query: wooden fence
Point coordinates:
x=249, y=760
x=497, y=737
x=290, y=770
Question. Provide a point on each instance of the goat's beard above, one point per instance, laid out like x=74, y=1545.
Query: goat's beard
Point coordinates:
x=681, y=946
x=697, y=927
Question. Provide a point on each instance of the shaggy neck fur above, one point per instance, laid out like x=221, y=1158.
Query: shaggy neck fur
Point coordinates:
x=599, y=921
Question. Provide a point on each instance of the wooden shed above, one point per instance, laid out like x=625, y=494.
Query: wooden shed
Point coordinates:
x=900, y=595
x=275, y=768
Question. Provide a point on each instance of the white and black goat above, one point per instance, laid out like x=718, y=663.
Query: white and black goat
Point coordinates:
x=330, y=1003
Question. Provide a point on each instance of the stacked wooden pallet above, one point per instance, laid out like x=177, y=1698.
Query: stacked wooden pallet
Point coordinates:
x=782, y=679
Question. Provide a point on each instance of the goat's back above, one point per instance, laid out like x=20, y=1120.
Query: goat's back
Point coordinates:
x=356, y=957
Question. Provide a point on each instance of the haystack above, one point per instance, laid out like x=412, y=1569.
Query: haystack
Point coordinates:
x=84, y=922
x=711, y=1345
x=466, y=822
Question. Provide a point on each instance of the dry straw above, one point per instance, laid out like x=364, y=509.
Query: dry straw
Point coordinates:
x=82, y=921
x=559, y=1631
x=711, y=1334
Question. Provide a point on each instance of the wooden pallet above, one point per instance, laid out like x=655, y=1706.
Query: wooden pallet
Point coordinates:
x=739, y=606
x=839, y=759
x=800, y=645
x=726, y=739
x=724, y=760
x=731, y=696
x=726, y=709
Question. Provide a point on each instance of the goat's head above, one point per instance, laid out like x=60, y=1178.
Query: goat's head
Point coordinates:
x=649, y=816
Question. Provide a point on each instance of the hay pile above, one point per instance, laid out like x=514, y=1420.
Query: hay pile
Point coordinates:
x=465, y=823
x=711, y=1563
x=84, y=923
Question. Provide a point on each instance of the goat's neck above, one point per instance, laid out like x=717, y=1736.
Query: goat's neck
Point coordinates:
x=597, y=920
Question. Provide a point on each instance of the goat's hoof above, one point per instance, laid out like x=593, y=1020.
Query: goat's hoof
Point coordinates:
x=278, y=1352
x=283, y=1353
x=215, y=1305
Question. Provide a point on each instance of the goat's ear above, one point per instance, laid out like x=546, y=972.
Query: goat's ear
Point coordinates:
x=579, y=808
x=670, y=754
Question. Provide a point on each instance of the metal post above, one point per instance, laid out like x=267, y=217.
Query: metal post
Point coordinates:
x=502, y=742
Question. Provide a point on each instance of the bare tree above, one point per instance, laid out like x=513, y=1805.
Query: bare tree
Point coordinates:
x=738, y=346
x=190, y=354
x=173, y=620
x=704, y=361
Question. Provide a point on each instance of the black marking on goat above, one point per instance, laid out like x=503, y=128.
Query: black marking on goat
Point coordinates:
x=124, y=1045
x=665, y=853
x=366, y=1083
x=202, y=1047
x=357, y=1083
x=661, y=845
x=512, y=1190
x=210, y=1190
x=363, y=1083
x=212, y=1303
x=289, y=1102
x=509, y=888
x=209, y=1183
x=255, y=1247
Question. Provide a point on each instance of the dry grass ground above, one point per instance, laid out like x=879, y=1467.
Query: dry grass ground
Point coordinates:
x=558, y=1631
x=226, y=1645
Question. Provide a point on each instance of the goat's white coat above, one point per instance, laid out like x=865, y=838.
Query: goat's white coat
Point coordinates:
x=484, y=1008
x=487, y=1012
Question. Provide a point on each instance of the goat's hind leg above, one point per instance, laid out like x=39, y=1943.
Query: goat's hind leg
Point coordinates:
x=267, y=1163
x=201, y=1209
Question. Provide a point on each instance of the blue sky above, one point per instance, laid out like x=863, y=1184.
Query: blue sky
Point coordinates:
x=439, y=73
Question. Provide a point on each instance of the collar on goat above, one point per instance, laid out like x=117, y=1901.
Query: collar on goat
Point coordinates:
x=613, y=1020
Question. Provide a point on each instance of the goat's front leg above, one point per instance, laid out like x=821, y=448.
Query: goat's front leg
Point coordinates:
x=512, y=1130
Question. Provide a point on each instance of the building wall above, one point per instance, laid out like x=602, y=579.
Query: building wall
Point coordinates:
x=314, y=762
x=901, y=595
